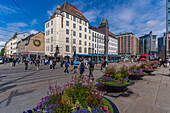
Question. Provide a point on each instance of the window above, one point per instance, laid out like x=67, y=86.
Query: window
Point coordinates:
x=74, y=41
x=79, y=42
x=89, y=44
x=74, y=49
x=51, y=39
x=95, y=45
x=80, y=28
x=89, y=37
x=48, y=32
x=74, y=33
x=67, y=40
x=74, y=25
x=93, y=34
x=89, y=31
x=51, y=30
x=85, y=29
x=67, y=23
x=80, y=50
x=80, y=35
x=85, y=43
x=74, y=18
x=67, y=15
x=85, y=23
x=67, y=31
x=85, y=50
x=51, y=48
x=85, y=36
x=80, y=21
x=51, y=22
x=93, y=39
x=92, y=45
x=67, y=48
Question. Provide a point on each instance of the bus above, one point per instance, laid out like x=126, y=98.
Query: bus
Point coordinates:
x=144, y=57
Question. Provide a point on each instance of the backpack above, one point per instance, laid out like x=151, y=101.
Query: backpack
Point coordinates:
x=66, y=64
x=82, y=65
x=92, y=64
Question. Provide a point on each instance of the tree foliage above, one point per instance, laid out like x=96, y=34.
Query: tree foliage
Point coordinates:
x=2, y=52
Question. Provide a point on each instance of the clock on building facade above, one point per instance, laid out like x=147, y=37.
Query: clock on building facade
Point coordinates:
x=37, y=43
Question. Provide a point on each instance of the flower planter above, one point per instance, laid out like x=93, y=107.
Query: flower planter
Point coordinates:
x=148, y=71
x=136, y=76
x=154, y=67
x=120, y=88
x=115, y=109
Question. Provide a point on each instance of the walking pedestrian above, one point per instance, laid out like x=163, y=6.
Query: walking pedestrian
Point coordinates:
x=72, y=63
x=51, y=64
x=105, y=64
x=86, y=63
x=75, y=69
x=91, y=67
x=161, y=62
x=81, y=66
x=26, y=64
x=37, y=63
x=61, y=63
x=54, y=63
x=66, y=64
x=102, y=63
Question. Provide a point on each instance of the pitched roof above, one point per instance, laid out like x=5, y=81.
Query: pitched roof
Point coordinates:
x=102, y=23
x=70, y=9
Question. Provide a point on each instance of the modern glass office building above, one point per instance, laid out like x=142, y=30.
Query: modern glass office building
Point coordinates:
x=168, y=28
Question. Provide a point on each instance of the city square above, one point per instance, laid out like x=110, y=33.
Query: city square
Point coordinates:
x=85, y=56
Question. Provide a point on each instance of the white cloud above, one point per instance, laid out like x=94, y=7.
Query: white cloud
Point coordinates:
x=92, y=14
x=33, y=32
x=34, y=21
x=2, y=43
x=18, y=24
x=151, y=24
x=50, y=12
x=6, y=10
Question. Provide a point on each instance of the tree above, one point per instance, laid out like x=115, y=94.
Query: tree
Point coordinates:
x=2, y=52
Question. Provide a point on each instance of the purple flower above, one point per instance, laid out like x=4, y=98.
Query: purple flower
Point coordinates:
x=85, y=84
x=91, y=81
x=81, y=82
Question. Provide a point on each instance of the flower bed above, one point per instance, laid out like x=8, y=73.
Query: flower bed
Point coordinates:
x=115, y=80
x=78, y=96
x=154, y=64
x=136, y=72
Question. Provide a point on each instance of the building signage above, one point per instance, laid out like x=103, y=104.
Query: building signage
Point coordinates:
x=37, y=43
x=25, y=53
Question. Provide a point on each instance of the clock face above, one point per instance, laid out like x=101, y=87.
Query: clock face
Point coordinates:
x=37, y=43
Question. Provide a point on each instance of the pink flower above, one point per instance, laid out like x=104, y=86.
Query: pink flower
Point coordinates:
x=81, y=82
x=87, y=92
x=60, y=101
x=76, y=105
x=96, y=93
x=92, y=92
x=91, y=81
x=72, y=89
x=68, y=87
x=85, y=84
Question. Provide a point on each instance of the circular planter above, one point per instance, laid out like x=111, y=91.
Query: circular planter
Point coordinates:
x=110, y=88
x=115, y=109
x=136, y=76
x=154, y=67
x=148, y=71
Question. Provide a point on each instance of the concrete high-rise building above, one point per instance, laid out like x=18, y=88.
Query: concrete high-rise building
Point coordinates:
x=147, y=44
x=168, y=28
x=127, y=43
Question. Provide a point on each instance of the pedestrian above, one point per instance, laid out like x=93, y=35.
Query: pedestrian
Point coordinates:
x=72, y=63
x=91, y=67
x=75, y=69
x=37, y=63
x=54, y=63
x=66, y=64
x=161, y=62
x=26, y=64
x=102, y=63
x=51, y=64
x=81, y=66
x=86, y=63
x=14, y=61
x=62, y=63
x=105, y=64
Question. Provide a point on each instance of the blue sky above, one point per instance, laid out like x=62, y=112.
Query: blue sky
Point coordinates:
x=137, y=16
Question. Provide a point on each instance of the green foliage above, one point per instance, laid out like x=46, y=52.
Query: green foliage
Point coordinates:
x=2, y=52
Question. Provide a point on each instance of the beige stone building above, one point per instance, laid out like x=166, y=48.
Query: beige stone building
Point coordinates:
x=32, y=46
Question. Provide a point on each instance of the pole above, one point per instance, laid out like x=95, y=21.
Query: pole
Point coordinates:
x=71, y=43
x=97, y=51
x=106, y=41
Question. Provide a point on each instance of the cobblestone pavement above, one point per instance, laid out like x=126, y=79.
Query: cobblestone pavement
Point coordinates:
x=21, y=90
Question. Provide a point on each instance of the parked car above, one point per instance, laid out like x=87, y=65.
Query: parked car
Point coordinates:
x=1, y=61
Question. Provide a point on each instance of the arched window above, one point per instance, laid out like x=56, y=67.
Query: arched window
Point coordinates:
x=67, y=48
x=74, y=49
x=85, y=50
x=80, y=50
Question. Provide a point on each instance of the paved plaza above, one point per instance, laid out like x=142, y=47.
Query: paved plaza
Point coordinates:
x=21, y=90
